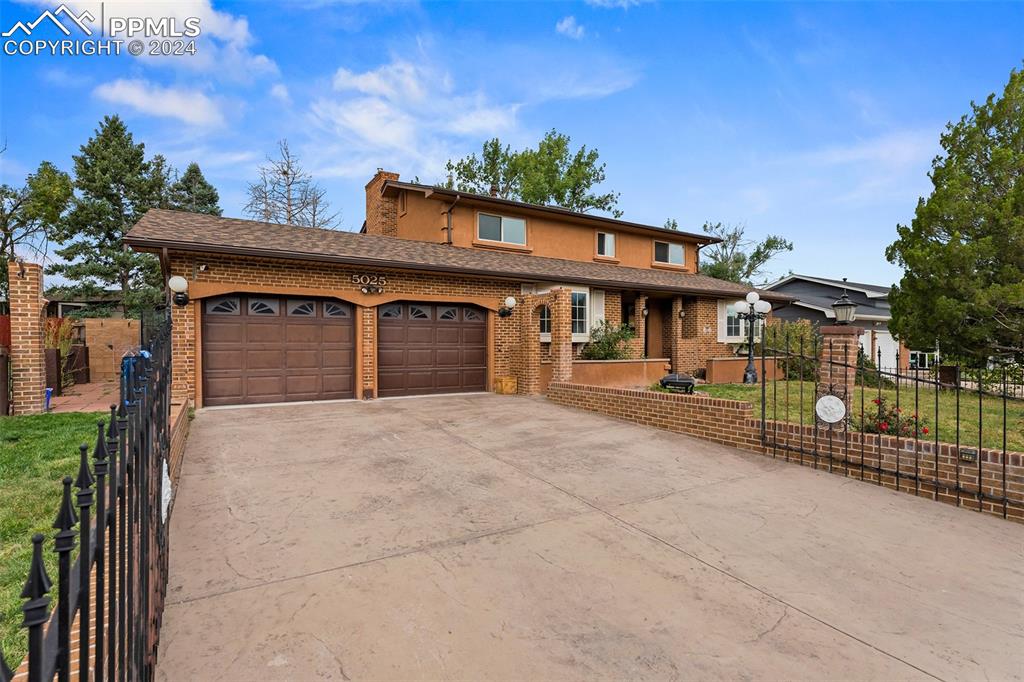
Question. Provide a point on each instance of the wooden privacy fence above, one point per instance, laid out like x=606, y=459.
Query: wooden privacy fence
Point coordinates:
x=120, y=513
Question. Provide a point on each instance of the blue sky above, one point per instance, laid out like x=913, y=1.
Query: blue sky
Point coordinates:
x=814, y=121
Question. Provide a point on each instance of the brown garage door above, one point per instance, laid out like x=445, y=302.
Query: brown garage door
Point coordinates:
x=426, y=348
x=259, y=349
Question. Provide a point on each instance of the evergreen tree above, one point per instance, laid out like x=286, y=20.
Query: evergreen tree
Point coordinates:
x=963, y=254
x=191, y=192
x=115, y=186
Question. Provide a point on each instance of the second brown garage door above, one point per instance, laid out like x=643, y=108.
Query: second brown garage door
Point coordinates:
x=259, y=349
x=426, y=348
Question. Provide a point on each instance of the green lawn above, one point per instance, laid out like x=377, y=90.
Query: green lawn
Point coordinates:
x=992, y=410
x=36, y=453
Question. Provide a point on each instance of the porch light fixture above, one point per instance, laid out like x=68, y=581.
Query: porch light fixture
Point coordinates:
x=371, y=289
x=845, y=310
x=645, y=312
x=179, y=287
x=506, y=310
x=752, y=309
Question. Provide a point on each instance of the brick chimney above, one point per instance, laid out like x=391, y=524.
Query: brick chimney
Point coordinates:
x=381, y=211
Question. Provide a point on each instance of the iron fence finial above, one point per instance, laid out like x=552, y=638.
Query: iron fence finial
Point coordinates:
x=38, y=583
x=66, y=517
x=85, y=479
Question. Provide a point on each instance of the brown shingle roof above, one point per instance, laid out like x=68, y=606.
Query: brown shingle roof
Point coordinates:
x=183, y=231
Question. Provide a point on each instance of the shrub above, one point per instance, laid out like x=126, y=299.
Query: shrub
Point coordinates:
x=867, y=373
x=893, y=421
x=607, y=341
x=797, y=340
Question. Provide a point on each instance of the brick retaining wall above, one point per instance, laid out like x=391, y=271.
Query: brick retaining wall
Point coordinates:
x=732, y=422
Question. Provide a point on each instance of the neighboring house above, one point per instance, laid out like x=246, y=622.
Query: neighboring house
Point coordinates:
x=415, y=303
x=62, y=306
x=814, y=298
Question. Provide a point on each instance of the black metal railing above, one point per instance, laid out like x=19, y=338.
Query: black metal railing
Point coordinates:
x=117, y=584
x=948, y=433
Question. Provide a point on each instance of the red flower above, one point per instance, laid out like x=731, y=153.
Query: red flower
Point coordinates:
x=884, y=426
x=924, y=430
x=876, y=401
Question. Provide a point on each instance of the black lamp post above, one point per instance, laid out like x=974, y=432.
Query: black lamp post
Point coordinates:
x=845, y=310
x=752, y=309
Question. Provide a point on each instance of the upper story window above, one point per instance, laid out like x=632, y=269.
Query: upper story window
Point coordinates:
x=606, y=244
x=668, y=253
x=496, y=228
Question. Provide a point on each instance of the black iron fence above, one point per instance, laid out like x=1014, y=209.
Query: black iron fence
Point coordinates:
x=953, y=433
x=115, y=588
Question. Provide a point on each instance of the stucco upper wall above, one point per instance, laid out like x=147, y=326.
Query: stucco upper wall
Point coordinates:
x=425, y=219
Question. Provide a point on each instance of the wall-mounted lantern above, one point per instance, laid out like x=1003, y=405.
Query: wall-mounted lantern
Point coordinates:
x=179, y=288
x=506, y=310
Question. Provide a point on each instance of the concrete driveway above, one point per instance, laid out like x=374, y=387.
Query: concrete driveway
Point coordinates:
x=491, y=537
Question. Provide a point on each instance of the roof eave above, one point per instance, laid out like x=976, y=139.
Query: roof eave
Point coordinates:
x=555, y=210
x=153, y=245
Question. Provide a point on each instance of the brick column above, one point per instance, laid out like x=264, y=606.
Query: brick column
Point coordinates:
x=28, y=309
x=675, y=328
x=635, y=347
x=837, y=372
x=561, y=335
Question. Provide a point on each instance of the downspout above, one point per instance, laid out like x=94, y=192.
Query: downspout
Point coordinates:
x=448, y=226
x=697, y=264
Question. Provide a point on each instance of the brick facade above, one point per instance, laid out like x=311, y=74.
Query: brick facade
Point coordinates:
x=733, y=423
x=28, y=364
x=227, y=274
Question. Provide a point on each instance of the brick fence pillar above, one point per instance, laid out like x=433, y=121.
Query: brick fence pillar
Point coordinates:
x=561, y=335
x=28, y=310
x=837, y=372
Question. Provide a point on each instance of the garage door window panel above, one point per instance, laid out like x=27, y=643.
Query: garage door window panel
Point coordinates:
x=301, y=308
x=264, y=306
x=417, y=312
x=391, y=312
x=223, y=306
x=337, y=310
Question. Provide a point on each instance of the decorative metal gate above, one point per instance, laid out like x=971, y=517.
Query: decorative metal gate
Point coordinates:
x=952, y=433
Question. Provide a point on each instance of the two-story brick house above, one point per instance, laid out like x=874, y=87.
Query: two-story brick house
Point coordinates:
x=416, y=302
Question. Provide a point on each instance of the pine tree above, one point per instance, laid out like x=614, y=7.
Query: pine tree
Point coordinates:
x=115, y=186
x=191, y=192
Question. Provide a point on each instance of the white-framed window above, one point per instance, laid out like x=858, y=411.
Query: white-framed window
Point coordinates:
x=497, y=228
x=669, y=253
x=606, y=244
x=731, y=329
x=545, y=322
x=586, y=306
x=922, y=359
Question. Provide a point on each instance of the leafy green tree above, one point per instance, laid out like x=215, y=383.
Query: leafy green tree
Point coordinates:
x=115, y=187
x=191, y=192
x=551, y=174
x=28, y=214
x=963, y=253
x=736, y=258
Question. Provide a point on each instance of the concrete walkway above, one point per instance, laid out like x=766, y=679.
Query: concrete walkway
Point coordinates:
x=492, y=537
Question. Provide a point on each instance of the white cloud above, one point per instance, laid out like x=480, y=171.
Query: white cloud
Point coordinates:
x=280, y=92
x=408, y=116
x=223, y=47
x=568, y=26
x=189, y=106
x=893, y=150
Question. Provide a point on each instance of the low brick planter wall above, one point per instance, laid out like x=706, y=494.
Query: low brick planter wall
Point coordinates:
x=614, y=373
x=730, y=422
x=733, y=422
